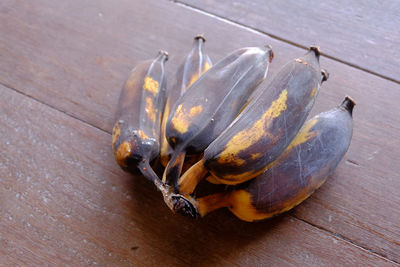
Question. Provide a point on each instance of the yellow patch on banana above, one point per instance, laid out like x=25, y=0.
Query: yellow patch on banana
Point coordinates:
x=123, y=151
x=304, y=135
x=116, y=133
x=150, y=85
x=182, y=119
x=241, y=205
x=301, y=138
x=193, y=79
x=250, y=136
x=196, y=76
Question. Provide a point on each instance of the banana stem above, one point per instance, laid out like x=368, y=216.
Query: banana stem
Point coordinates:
x=213, y=202
x=147, y=171
x=348, y=104
x=165, y=190
x=191, y=178
x=174, y=167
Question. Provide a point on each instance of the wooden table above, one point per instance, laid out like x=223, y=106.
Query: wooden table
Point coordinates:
x=64, y=200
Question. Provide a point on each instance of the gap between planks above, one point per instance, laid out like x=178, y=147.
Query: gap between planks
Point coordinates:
x=339, y=236
x=273, y=36
x=345, y=239
x=52, y=107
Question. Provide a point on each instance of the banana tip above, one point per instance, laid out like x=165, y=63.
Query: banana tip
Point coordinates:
x=325, y=75
x=164, y=54
x=348, y=103
x=316, y=50
x=200, y=36
x=271, y=53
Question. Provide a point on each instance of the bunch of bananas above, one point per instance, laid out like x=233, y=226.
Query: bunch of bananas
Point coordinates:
x=216, y=123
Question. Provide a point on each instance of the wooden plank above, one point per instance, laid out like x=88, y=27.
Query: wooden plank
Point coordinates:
x=42, y=48
x=361, y=33
x=65, y=202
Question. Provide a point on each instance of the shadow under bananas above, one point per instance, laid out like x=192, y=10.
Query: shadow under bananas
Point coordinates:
x=214, y=239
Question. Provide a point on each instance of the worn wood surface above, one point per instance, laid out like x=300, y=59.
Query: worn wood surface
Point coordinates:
x=64, y=200
x=362, y=33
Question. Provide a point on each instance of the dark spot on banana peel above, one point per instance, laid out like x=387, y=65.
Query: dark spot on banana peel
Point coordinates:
x=184, y=207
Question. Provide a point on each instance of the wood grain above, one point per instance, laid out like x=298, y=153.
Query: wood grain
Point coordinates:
x=65, y=202
x=75, y=56
x=362, y=33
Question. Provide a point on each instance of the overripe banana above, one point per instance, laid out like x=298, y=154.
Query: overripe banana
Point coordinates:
x=136, y=134
x=212, y=102
x=247, y=139
x=263, y=129
x=195, y=64
x=302, y=168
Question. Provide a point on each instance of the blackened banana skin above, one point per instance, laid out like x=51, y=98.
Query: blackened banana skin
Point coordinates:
x=266, y=127
x=212, y=102
x=136, y=134
x=304, y=166
x=231, y=75
x=195, y=64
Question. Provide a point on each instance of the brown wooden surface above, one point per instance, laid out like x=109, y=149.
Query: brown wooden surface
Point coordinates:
x=64, y=200
x=363, y=33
